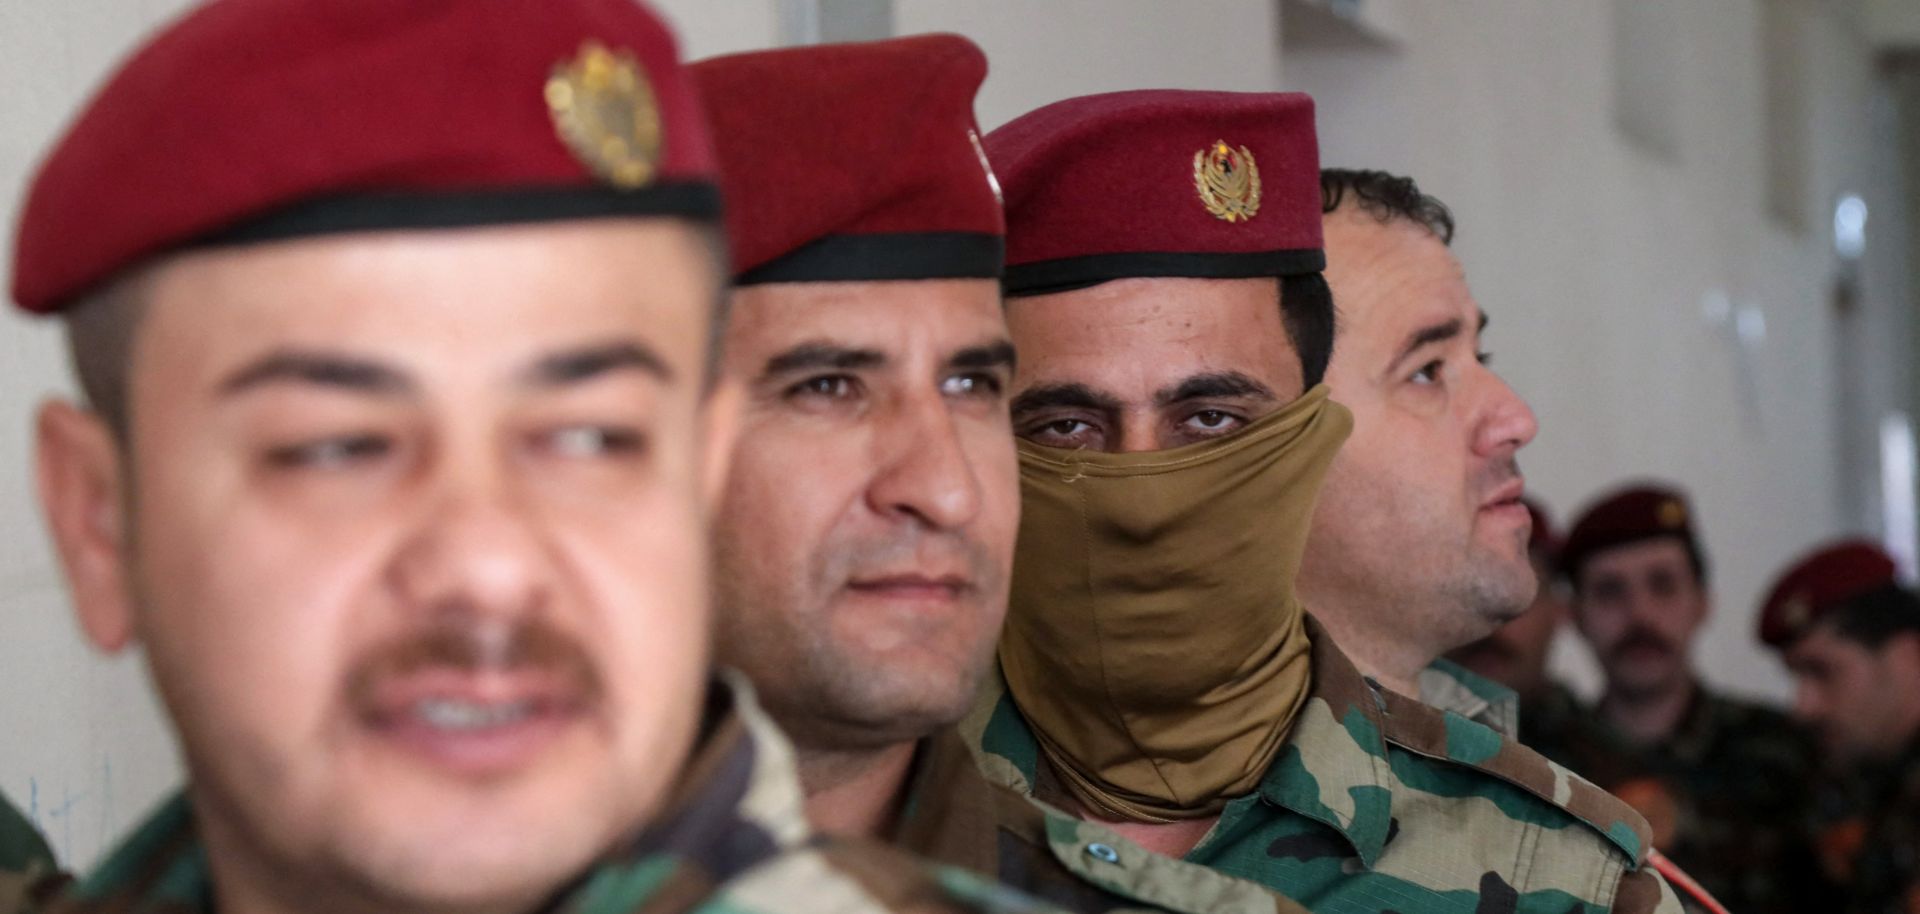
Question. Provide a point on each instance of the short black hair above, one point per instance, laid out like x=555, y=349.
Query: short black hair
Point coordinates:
x=1875, y=617
x=1385, y=197
x=1306, y=310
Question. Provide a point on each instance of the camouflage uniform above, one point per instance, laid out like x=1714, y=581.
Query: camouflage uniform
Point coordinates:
x=1378, y=803
x=1548, y=717
x=734, y=841
x=1886, y=870
x=27, y=869
x=1728, y=796
x=1451, y=687
x=953, y=815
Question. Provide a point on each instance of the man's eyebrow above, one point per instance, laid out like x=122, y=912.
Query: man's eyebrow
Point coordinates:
x=815, y=356
x=319, y=368
x=1053, y=396
x=1428, y=335
x=1213, y=384
x=997, y=354
x=573, y=366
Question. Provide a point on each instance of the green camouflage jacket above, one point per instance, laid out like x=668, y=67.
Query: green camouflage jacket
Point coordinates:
x=27, y=869
x=1379, y=803
x=734, y=841
x=1451, y=687
x=1729, y=795
x=953, y=815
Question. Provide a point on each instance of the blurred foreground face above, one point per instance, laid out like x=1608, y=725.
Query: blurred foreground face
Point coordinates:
x=1422, y=507
x=1860, y=700
x=1150, y=364
x=1638, y=606
x=1515, y=655
x=414, y=545
x=865, y=540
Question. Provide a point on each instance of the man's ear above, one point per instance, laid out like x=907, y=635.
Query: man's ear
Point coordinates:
x=78, y=469
x=720, y=433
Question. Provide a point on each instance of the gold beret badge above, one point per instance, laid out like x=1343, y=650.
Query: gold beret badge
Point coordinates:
x=605, y=112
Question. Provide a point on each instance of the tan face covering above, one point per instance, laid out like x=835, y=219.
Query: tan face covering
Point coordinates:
x=1153, y=638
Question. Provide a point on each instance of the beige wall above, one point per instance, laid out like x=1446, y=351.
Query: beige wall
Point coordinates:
x=1591, y=254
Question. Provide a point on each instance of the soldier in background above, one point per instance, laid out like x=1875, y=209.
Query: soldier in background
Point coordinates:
x=866, y=537
x=1726, y=784
x=1515, y=656
x=395, y=323
x=28, y=873
x=1850, y=634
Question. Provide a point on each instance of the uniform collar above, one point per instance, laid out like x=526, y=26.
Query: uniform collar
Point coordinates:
x=1449, y=686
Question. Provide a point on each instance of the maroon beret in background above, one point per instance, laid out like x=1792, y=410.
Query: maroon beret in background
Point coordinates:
x=1820, y=583
x=1627, y=516
x=855, y=161
x=1160, y=183
x=260, y=119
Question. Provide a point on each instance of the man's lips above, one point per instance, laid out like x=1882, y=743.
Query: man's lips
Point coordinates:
x=912, y=586
x=1506, y=496
x=476, y=723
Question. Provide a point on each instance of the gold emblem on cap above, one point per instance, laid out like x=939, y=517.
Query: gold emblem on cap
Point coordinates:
x=1672, y=514
x=1228, y=181
x=605, y=112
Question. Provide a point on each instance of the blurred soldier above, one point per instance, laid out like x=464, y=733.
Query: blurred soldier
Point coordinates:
x=866, y=536
x=27, y=870
x=1419, y=543
x=1160, y=678
x=394, y=320
x=1726, y=784
x=1516, y=654
x=1851, y=635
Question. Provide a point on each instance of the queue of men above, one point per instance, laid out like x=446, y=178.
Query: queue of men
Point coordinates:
x=544, y=475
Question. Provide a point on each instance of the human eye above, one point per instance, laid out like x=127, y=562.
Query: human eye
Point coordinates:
x=587, y=441
x=337, y=452
x=973, y=384
x=1213, y=422
x=1062, y=432
x=1429, y=373
x=824, y=387
x=1484, y=357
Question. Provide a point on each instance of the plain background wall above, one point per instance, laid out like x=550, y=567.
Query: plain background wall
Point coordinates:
x=1591, y=252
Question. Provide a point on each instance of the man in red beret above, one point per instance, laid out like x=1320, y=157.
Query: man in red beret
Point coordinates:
x=1515, y=655
x=1160, y=678
x=394, y=323
x=866, y=537
x=1850, y=633
x=1725, y=782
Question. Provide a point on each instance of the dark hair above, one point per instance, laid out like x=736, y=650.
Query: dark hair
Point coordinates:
x=1574, y=567
x=1306, y=310
x=1874, y=617
x=1385, y=197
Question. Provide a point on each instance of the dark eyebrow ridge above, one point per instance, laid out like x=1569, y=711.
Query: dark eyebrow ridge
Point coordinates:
x=576, y=365
x=1049, y=396
x=997, y=354
x=319, y=368
x=814, y=356
x=1428, y=335
x=1213, y=384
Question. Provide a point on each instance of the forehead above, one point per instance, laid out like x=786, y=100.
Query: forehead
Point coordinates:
x=454, y=298
x=886, y=315
x=1131, y=337
x=1634, y=560
x=1391, y=278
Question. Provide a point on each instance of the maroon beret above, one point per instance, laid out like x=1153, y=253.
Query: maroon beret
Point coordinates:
x=1626, y=516
x=1819, y=584
x=1160, y=183
x=261, y=119
x=855, y=161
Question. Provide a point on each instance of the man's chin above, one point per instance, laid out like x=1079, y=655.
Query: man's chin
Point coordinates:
x=452, y=859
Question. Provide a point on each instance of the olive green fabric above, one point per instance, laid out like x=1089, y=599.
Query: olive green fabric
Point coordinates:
x=1119, y=551
x=27, y=868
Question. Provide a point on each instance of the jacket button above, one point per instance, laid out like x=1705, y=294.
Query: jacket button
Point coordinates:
x=1103, y=852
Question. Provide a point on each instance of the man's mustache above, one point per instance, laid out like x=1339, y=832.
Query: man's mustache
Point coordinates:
x=1642, y=638
x=469, y=643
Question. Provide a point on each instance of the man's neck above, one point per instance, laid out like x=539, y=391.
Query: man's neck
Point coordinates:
x=1651, y=716
x=1390, y=662
x=855, y=793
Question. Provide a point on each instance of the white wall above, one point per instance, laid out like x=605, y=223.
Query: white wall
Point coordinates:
x=1593, y=254
x=1590, y=253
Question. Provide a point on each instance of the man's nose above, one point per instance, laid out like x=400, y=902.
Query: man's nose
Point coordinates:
x=924, y=472
x=474, y=548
